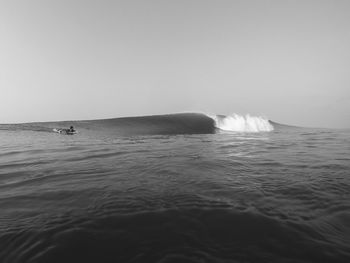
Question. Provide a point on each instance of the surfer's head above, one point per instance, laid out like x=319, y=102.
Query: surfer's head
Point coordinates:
x=71, y=127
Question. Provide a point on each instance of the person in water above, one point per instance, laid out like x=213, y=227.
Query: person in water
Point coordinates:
x=71, y=129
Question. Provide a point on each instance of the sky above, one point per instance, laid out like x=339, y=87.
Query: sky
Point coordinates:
x=288, y=61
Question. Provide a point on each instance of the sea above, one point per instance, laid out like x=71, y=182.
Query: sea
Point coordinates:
x=183, y=187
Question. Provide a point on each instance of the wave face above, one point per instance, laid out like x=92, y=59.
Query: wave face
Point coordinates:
x=239, y=123
x=184, y=123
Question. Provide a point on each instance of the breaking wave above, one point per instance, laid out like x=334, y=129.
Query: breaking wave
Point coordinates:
x=240, y=123
x=183, y=123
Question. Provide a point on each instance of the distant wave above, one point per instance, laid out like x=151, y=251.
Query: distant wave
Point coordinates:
x=171, y=124
x=239, y=123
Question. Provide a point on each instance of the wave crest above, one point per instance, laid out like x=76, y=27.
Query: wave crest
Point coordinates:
x=240, y=123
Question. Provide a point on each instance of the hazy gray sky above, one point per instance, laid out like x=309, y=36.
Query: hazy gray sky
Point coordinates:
x=64, y=60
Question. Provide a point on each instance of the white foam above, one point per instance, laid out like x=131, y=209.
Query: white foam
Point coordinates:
x=240, y=123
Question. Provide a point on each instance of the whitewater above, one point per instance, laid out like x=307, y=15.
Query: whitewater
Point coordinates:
x=174, y=188
x=240, y=123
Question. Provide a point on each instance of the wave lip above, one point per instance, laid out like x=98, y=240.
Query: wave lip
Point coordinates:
x=240, y=123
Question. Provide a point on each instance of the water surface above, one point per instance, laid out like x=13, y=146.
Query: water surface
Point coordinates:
x=278, y=196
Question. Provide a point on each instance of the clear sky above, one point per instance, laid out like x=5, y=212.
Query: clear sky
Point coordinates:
x=69, y=59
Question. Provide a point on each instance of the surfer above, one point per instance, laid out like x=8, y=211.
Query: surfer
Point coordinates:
x=69, y=131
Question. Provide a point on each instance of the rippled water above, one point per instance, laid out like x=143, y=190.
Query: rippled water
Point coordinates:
x=281, y=196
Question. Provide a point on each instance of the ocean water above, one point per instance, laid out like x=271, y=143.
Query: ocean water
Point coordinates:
x=174, y=188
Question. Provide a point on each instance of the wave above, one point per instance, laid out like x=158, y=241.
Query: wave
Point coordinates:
x=240, y=123
x=171, y=124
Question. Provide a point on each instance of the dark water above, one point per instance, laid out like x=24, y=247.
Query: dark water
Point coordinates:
x=279, y=196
